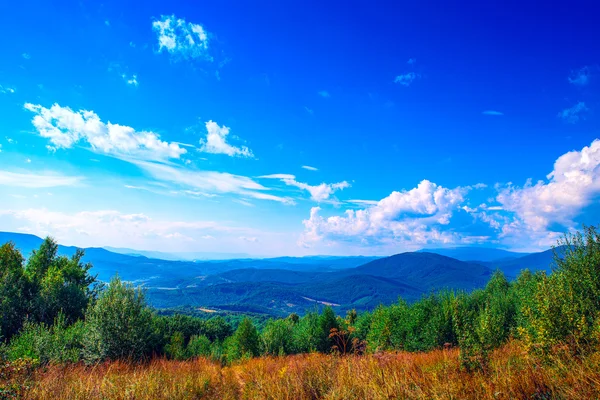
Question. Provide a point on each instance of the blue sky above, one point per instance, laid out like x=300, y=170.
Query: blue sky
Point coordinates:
x=288, y=128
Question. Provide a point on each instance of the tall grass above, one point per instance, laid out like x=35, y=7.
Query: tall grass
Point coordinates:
x=513, y=373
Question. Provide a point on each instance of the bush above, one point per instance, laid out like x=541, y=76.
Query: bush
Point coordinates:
x=58, y=343
x=119, y=325
x=199, y=346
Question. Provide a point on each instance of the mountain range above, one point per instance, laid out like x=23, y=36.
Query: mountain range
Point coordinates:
x=278, y=286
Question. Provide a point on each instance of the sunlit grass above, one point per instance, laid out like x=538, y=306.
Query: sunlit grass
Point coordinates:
x=512, y=373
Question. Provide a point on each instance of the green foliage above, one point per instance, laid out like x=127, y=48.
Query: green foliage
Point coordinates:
x=119, y=324
x=14, y=291
x=199, y=346
x=565, y=306
x=245, y=342
x=59, y=343
x=277, y=337
x=327, y=322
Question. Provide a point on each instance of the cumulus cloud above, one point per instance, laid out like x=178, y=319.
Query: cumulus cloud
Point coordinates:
x=410, y=216
x=308, y=167
x=572, y=115
x=580, y=77
x=180, y=38
x=37, y=180
x=65, y=128
x=406, y=79
x=573, y=184
x=320, y=192
x=216, y=142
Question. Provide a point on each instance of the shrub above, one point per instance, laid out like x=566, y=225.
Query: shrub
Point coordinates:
x=119, y=325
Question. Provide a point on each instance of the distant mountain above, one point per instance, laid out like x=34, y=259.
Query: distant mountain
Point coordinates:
x=428, y=271
x=278, y=286
x=381, y=281
x=485, y=254
x=543, y=261
x=179, y=256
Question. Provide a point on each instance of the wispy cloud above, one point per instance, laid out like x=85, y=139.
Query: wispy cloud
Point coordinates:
x=209, y=181
x=324, y=93
x=26, y=56
x=37, y=179
x=181, y=39
x=216, y=142
x=309, y=110
x=580, y=77
x=318, y=193
x=362, y=202
x=572, y=115
x=406, y=79
x=308, y=167
x=411, y=61
x=112, y=227
x=65, y=127
x=493, y=113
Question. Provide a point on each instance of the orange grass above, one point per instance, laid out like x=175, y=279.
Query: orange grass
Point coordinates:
x=512, y=374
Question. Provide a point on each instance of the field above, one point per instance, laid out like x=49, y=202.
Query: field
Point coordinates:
x=511, y=373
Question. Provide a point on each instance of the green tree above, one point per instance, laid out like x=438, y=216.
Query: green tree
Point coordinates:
x=14, y=291
x=327, y=322
x=119, y=324
x=277, y=337
x=59, y=284
x=245, y=341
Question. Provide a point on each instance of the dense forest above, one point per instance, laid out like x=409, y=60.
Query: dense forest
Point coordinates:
x=54, y=312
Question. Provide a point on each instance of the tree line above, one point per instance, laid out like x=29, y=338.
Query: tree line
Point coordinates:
x=53, y=311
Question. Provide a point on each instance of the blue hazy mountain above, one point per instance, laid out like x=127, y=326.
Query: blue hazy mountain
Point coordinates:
x=295, y=284
x=484, y=254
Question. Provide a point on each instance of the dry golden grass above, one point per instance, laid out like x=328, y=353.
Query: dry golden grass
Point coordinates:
x=512, y=374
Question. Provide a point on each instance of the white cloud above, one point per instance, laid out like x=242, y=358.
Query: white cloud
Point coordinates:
x=210, y=181
x=26, y=56
x=243, y=202
x=324, y=93
x=309, y=110
x=6, y=90
x=408, y=217
x=0, y=148
x=580, y=77
x=28, y=160
x=572, y=115
x=411, y=61
x=320, y=192
x=362, y=202
x=572, y=185
x=37, y=180
x=406, y=79
x=216, y=142
x=132, y=80
x=111, y=227
x=249, y=239
x=180, y=38
x=493, y=113
x=308, y=167
x=65, y=127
